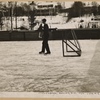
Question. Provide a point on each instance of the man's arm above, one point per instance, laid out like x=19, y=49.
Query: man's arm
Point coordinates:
x=39, y=29
x=46, y=28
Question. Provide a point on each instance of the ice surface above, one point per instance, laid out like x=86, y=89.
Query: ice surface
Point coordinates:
x=22, y=69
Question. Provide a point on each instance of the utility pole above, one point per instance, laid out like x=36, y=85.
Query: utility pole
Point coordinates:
x=16, y=14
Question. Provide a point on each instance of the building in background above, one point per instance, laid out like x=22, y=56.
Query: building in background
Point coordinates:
x=47, y=8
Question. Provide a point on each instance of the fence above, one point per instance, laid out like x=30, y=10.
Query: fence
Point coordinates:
x=54, y=35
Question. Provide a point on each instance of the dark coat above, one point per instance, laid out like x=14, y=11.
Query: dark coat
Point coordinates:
x=45, y=30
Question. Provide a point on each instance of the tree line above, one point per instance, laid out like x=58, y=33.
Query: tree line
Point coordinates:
x=78, y=9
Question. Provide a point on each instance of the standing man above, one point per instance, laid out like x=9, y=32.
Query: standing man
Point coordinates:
x=44, y=29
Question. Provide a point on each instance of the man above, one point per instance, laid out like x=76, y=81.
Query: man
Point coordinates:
x=23, y=25
x=44, y=29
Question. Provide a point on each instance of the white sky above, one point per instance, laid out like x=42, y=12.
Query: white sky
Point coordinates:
x=66, y=4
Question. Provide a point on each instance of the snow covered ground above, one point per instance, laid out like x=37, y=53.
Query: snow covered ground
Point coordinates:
x=58, y=21
x=22, y=69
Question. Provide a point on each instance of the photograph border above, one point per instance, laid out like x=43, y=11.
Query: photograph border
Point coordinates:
x=35, y=96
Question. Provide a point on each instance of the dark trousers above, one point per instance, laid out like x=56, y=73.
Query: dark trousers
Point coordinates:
x=45, y=45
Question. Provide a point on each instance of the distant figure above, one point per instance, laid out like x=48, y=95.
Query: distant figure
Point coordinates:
x=23, y=25
x=44, y=29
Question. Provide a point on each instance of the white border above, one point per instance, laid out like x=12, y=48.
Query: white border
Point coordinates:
x=46, y=95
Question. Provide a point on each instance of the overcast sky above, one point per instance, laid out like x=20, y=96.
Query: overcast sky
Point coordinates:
x=66, y=4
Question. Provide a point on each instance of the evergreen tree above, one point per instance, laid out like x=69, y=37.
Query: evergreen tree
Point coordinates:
x=76, y=10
